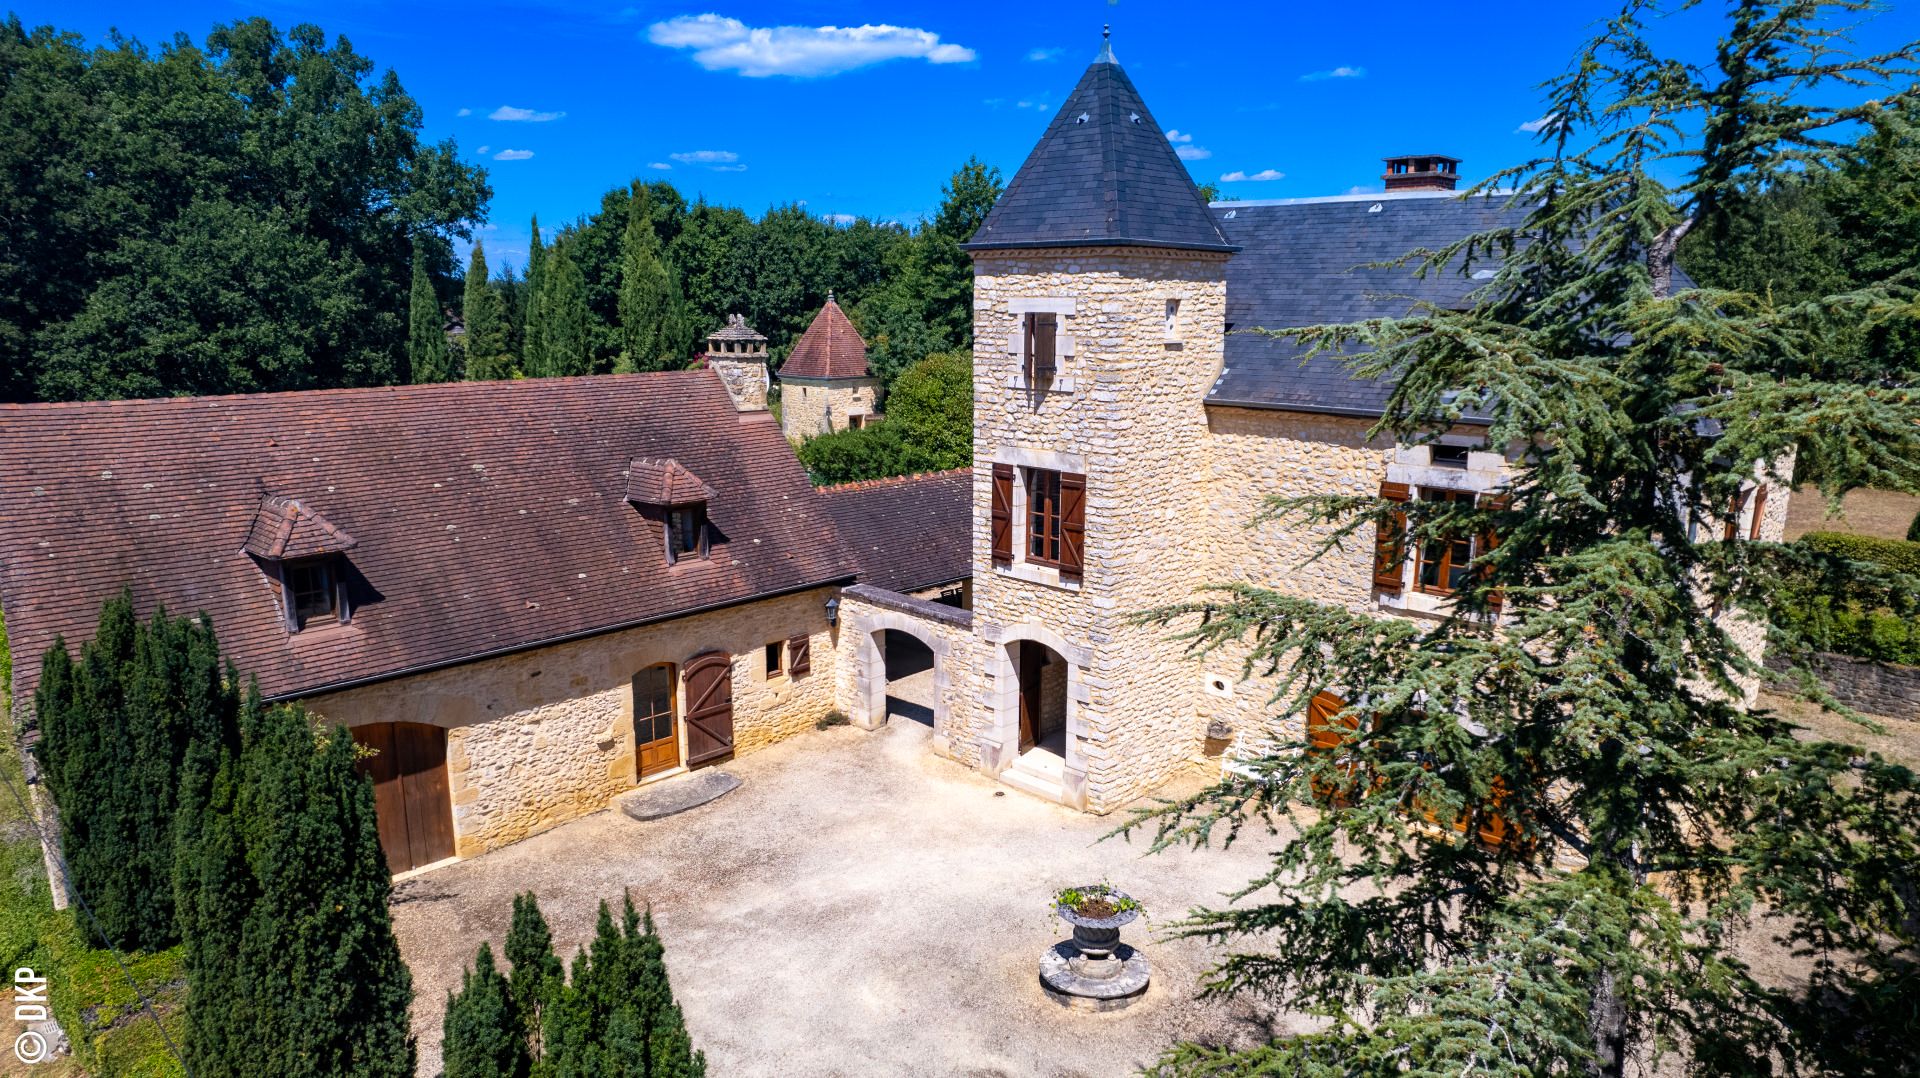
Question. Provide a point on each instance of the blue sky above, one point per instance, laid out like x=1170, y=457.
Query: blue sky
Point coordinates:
x=754, y=104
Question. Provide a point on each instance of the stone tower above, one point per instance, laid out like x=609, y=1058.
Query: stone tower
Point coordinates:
x=738, y=353
x=825, y=385
x=1099, y=324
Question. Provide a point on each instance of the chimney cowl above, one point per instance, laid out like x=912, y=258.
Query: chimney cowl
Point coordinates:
x=1422, y=172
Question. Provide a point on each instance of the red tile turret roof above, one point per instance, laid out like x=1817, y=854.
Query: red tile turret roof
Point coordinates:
x=830, y=348
x=490, y=516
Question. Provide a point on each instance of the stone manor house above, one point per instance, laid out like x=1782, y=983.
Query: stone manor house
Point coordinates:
x=531, y=596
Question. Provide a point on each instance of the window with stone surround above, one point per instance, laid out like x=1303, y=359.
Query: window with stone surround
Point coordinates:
x=1039, y=353
x=1440, y=565
x=1056, y=520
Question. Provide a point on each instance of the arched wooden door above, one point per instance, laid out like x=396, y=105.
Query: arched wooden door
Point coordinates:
x=709, y=713
x=409, y=772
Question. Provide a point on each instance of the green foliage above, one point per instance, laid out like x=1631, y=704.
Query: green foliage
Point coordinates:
x=484, y=311
x=932, y=407
x=117, y=729
x=291, y=962
x=615, y=1017
x=832, y=719
x=1897, y=555
x=426, y=333
x=874, y=451
x=1913, y=529
x=1103, y=899
x=483, y=1036
x=1833, y=612
x=649, y=299
x=1621, y=816
x=561, y=299
x=533, y=318
x=213, y=219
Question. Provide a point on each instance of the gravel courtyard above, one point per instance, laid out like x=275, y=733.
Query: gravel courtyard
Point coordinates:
x=858, y=907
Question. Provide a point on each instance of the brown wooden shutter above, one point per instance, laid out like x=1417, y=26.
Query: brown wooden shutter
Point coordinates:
x=1733, y=515
x=1759, y=512
x=1073, y=524
x=1046, y=326
x=1490, y=540
x=709, y=716
x=799, y=655
x=1390, y=543
x=1002, y=514
x=1327, y=736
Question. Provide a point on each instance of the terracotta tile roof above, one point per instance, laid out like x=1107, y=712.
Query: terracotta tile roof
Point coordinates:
x=284, y=529
x=664, y=483
x=490, y=516
x=830, y=348
x=909, y=533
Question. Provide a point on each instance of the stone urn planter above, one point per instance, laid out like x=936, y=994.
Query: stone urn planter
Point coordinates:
x=1094, y=970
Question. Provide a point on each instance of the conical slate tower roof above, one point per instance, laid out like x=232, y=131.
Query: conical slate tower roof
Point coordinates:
x=1103, y=175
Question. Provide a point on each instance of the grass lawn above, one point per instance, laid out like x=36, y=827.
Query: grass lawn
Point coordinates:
x=1878, y=513
x=111, y=1032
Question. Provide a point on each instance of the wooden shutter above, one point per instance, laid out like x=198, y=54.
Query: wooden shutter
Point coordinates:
x=1046, y=327
x=1759, y=512
x=1326, y=736
x=799, y=655
x=1002, y=514
x=1733, y=514
x=1490, y=540
x=1390, y=543
x=709, y=718
x=1073, y=524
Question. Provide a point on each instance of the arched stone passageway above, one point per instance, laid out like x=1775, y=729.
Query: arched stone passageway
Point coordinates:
x=908, y=665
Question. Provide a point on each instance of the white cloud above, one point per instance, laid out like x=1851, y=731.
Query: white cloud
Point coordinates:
x=513, y=155
x=1358, y=189
x=712, y=158
x=464, y=112
x=1042, y=105
x=1261, y=176
x=1342, y=72
x=1534, y=127
x=1178, y=136
x=729, y=168
x=1193, y=153
x=488, y=227
x=660, y=165
x=1041, y=56
x=723, y=44
x=482, y=150
x=842, y=218
x=519, y=115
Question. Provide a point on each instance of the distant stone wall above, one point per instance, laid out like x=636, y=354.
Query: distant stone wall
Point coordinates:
x=1882, y=689
x=867, y=611
x=542, y=737
x=746, y=381
x=811, y=407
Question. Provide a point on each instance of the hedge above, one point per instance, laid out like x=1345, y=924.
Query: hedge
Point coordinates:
x=1900, y=555
x=1846, y=627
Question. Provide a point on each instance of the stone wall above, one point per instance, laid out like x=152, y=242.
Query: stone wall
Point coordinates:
x=746, y=380
x=814, y=406
x=1883, y=689
x=538, y=738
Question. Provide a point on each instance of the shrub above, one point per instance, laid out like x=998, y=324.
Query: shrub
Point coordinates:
x=872, y=452
x=1913, y=529
x=116, y=730
x=931, y=405
x=1899, y=555
x=483, y=1035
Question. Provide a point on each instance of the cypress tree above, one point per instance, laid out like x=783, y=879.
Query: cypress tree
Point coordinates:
x=292, y=967
x=537, y=975
x=426, y=328
x=116, y=731
x=485, y=315
x=649, y=303
x=1619, y=814
x=617, y=1016
x=484, y=1037
x=563, y=316
x=533, y=315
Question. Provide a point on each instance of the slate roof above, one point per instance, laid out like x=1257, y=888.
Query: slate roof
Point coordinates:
x=830, y=348
x=910, y=533
x=489, y=516
x=736, y=329
x=284, y=529
x=1308, y=262
x=1103, y=174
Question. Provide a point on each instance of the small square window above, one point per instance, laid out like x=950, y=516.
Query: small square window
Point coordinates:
x=1173, y=320
x=775, y=659
x=311, y=591
x=1450, y=456
x=686, y=526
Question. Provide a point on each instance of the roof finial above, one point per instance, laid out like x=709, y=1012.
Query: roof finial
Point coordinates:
x=1106, y=46
x=829, y=295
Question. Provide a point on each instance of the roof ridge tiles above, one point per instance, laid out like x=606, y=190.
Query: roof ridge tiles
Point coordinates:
x=889, y=480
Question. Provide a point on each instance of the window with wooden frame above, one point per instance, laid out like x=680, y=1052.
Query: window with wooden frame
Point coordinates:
x=686, y=532
x=1056, y=520
x=1441, y=564
x=775, y=664
x=1739, y=506
x=312, y=592
x=1040, y=332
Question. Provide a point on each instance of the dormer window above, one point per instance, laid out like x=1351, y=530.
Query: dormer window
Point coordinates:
x=304, y=557
x=666, y=491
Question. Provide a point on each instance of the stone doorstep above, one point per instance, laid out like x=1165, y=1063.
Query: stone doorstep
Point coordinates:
x=675, y=795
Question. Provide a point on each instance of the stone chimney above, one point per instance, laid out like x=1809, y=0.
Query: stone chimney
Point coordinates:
x=738, y=354
x=1422, y=172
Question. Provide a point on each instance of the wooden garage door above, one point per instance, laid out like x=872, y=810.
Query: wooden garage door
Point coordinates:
x=409, y=772
x=709, y=715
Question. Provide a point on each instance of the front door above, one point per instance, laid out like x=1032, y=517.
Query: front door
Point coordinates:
x=655, y=737
x=1032, y=662
x=709, y=707
x=409, y=771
